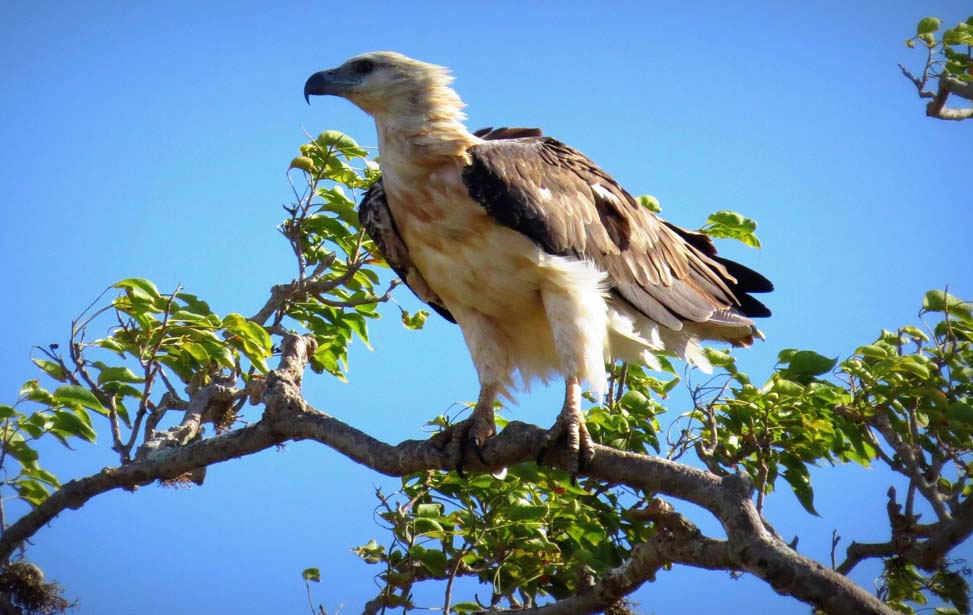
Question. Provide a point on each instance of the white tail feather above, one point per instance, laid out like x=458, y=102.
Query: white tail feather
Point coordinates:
x=635, y=338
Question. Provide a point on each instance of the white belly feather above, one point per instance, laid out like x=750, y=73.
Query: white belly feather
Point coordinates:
x=520, y=309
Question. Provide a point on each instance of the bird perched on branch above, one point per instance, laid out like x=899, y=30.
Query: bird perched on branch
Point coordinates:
x=547, y=265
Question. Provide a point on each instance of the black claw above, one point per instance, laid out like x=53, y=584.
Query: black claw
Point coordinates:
x=462, y=457
x=584, y=460
x=550, y=443
x=541, y=454
x=584, y=457
x=456, y=442
x=466, y=444
x=479, y=453
x=441, y=448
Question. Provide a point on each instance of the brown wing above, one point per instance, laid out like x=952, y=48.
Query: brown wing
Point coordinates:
x=493, y=134
x=377, y=219
x=744, y=279
x=567, y=205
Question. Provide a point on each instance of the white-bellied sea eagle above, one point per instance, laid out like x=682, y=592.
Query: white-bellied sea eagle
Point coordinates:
x=547, y=265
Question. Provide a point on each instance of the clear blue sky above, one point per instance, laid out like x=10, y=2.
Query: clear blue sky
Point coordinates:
x=151, y=139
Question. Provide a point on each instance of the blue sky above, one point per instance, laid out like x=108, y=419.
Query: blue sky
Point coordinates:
x=151, y=140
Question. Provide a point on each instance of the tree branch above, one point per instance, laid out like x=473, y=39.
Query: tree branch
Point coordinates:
x=749, y=546
x=928, y=554
x=919, y=83
x=950, y=85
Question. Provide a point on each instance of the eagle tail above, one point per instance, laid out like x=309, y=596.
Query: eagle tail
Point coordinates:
x=634, y=338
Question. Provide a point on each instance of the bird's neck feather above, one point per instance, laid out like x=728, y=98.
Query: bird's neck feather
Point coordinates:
x=423, y=129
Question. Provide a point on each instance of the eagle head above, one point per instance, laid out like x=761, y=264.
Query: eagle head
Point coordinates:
x=385, y=82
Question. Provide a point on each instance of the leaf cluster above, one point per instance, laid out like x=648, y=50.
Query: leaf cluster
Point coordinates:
x=535, y=535
x=161, y=350
x=950, y=54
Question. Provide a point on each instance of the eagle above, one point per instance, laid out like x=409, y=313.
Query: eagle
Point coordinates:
x=549, y=267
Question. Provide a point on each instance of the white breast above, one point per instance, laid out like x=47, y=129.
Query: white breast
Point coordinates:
x=519, y=307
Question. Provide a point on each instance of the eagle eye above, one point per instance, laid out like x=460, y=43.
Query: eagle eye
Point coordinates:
x=363, y=67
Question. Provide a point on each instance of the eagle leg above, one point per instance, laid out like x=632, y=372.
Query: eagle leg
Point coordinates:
x=570, y=427
x=471, y=434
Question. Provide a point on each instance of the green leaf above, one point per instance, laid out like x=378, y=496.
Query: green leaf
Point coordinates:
x=429, y=510
x=787, y=387
x=140, y=288
x=928, y=25
x=33, y=391
x=73, y=424
x=44, y=476
x=720, y=358
x=807, y=363
x=784, y=356
x=635, y=402
x=414, y=321
x=342, y=143
x=873, y=351
x=962, y=413
x=731, y=225
x=428, y=527
x=372, y=552
x=52, y=369
x=915, y=333
x=303, y=163
x=649, y=202
x=110, y=344
x=799, y=479
x=914, y=365
x=941, y=301
x=526, y=512
x=249, y=337
x=73, y=395
x=359, y=326
x=311, y=574
x=23, y=453
x=251, y=330
x=6, y=412
x=192, y=303
x=324, y=359
x=31, y=490
x=117, y=374
x=36, y=424
x=433, y=560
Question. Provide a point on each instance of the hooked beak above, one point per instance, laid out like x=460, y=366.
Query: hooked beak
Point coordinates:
x=326, y=82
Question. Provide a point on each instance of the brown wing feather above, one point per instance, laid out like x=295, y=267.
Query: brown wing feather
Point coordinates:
x=377, y=219
x=560, y=199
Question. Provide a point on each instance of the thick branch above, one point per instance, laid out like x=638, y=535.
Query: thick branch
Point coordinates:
x=168, y=463
x=201, y=408
x=947, y=85
x=950, y=85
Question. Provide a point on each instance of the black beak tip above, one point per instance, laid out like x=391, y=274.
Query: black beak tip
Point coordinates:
x=308, y=89
x=316, y=84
